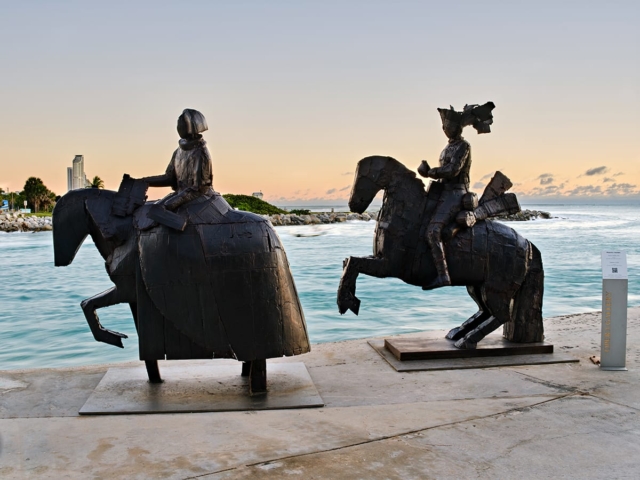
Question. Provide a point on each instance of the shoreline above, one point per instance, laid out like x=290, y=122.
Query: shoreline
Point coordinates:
x=20, y=222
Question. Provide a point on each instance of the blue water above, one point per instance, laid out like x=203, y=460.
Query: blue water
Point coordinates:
x=41, y=324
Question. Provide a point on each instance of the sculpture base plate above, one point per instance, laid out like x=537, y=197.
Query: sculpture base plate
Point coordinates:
x=417, y=348
x=200, y=388
x=470, y=362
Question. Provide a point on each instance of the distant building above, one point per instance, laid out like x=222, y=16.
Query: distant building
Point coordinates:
x=69, y=178
x=76, y=172
x=257, y=195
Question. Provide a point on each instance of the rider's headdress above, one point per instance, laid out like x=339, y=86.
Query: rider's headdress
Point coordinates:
x=195, y=121
x=479, y=116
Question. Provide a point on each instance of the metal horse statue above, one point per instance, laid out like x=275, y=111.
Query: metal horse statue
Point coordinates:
x=501, y=269
x=221, y=288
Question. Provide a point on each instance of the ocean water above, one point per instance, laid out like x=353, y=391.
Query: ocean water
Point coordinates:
x=42, y=325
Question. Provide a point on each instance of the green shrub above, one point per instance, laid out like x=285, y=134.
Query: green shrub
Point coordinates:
x=252, y=204
x=300, y=211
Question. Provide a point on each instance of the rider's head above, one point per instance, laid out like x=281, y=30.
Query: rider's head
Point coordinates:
x=451, y=122
x=451, y=129
x=477, y=115
x=191, y=123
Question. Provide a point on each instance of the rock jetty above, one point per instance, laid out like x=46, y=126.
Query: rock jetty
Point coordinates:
x=19, y=222
x=524, y=215
x=318, y=218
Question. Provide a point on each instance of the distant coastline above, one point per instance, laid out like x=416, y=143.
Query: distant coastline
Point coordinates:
x=316, y=218
x=20, y=222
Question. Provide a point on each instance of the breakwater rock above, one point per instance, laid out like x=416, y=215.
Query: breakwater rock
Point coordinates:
x=317, y=218
x=18, y=222
x=524, y=215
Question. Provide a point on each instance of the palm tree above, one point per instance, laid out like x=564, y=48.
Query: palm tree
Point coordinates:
x=97, y=182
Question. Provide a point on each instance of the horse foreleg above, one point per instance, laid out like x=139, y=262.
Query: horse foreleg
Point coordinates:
x=89, y=307
x=500, y=306
x=153, y=370
x=258, y=377
x=353, y=266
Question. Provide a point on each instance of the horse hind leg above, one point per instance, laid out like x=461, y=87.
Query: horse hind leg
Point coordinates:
x=526, y=324
x=500, y=306
x=473, y=321
x=471, y=339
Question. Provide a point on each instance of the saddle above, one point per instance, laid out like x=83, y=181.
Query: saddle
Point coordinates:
x=132, y=196
x=493, y=203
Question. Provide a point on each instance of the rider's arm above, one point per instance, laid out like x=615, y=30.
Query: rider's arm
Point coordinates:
x=453, y=168
x=166, y=180
x=204, y=177
x=203, y=181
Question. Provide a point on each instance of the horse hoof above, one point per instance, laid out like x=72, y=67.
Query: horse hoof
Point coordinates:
x=349, y=302
x=465, y=345
x=455, y=334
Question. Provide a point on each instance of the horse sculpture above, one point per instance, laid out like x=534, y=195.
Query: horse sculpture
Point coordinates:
x=221, y=288
x=501, y=270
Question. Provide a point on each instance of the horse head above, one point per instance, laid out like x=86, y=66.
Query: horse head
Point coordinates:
x=372, y=175
x=73, y=222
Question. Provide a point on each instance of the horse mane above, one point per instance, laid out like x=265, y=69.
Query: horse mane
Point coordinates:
x=402, y=175
x=72, y=222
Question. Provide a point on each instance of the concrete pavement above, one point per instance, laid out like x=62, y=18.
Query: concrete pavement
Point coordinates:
x=564, y=420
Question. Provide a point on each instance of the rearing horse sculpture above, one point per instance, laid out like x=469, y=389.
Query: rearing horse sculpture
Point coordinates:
x=501, y=269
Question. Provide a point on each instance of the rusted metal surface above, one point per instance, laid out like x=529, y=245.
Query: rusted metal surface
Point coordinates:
x=501, y=269
x=203, y=280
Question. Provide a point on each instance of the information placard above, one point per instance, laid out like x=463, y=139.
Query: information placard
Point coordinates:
x=614, y=265
x=614, y=310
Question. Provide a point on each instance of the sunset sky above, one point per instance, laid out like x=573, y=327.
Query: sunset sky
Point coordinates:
x=296, y=92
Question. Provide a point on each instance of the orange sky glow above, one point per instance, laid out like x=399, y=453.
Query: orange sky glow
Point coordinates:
x=295, y=95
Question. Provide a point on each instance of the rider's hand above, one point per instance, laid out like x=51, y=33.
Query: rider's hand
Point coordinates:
x=432, y=173
x=423, y=169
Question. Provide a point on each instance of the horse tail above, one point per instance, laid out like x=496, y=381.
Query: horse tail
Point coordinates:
x=526, y=324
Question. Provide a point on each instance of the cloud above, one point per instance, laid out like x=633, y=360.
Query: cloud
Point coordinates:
x=607, y=179
x=546, y=191
x=347, y=173
x=585, y=190
x=345, y=188
x=596, y=171
x=330, y=191
x=545, y=179
x=488, y=175
x=478, y=185
x=622, y=189
x=618, y=174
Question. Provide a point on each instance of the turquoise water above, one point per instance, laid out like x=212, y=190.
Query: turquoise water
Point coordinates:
x=41, y=324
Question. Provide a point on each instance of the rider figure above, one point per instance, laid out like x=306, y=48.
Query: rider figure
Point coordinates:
x=189, y=172
x=453, y=175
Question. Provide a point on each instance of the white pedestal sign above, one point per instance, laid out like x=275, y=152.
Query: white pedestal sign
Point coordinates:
x=614, y=310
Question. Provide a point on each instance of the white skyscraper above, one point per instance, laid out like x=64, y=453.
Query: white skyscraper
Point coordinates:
x=79, y=178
